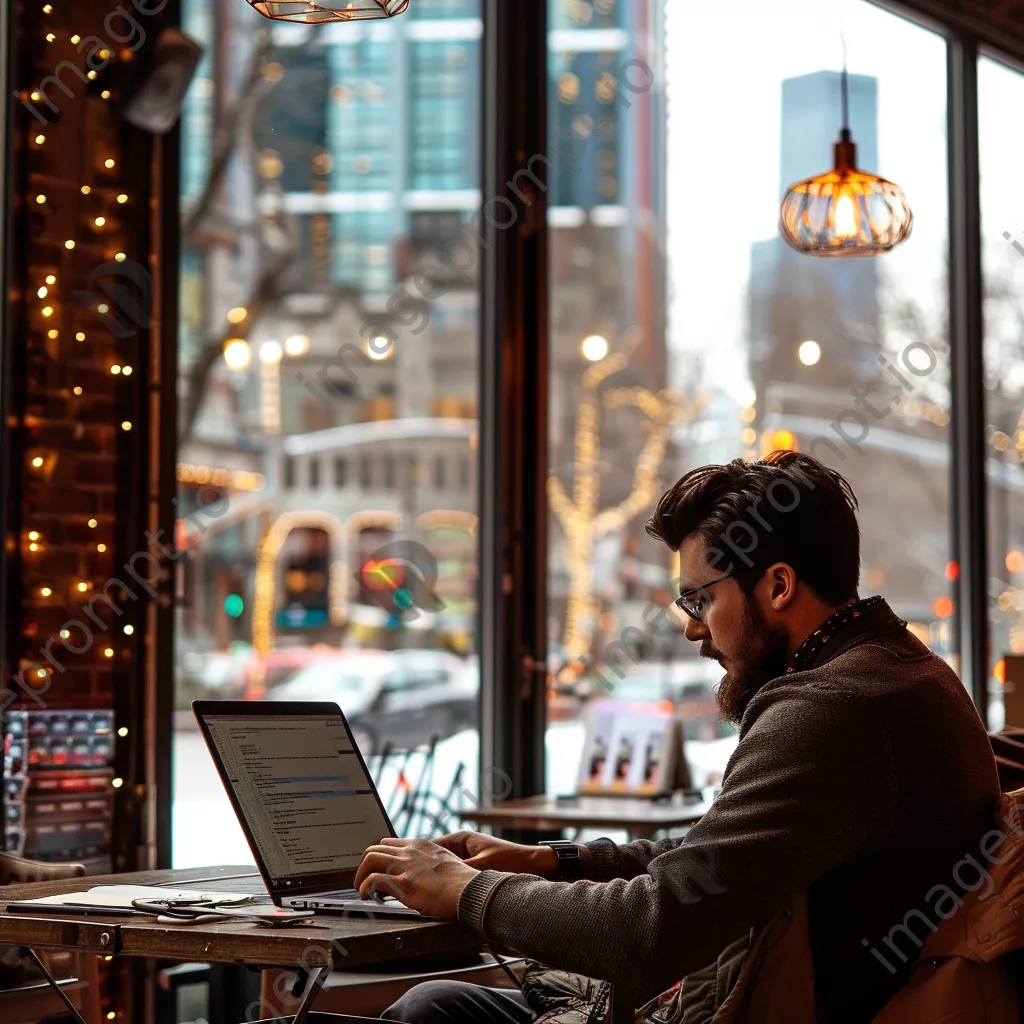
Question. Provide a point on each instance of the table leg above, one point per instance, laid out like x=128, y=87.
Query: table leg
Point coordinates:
x=312, y=991
x=72, y=1009
x=623, y=1005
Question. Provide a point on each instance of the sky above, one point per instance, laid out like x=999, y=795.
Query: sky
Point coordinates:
x=725, y=69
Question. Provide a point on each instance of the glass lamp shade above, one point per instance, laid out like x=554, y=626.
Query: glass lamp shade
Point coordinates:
x=845, y=212
x=317, y=11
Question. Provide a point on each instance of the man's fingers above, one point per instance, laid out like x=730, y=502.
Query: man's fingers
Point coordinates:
x=379, y=882
x=374, y=859
x=457, y=842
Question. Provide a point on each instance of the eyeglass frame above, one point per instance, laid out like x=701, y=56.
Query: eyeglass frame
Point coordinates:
x=685, y=595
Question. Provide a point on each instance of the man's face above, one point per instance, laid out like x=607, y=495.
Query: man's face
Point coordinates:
x=733, y=630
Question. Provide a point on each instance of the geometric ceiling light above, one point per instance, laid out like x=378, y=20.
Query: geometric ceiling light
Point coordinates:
x=319, y=11
x=845, y=211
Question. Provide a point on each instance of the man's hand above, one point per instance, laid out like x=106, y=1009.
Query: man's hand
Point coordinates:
x=418, y=873
x=487, y=853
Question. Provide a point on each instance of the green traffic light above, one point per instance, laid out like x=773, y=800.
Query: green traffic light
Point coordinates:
x=234, y=605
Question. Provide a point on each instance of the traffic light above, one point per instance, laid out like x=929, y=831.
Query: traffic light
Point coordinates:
x=399, y=577
x=306, y=577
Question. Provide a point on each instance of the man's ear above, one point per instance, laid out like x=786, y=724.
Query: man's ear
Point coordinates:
x=782, y=583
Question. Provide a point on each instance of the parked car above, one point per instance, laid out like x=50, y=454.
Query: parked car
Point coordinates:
x=401, y=697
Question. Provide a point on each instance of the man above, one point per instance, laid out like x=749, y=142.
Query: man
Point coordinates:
x=861, y=778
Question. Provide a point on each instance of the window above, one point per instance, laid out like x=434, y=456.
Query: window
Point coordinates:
x=359, y=162
x=761, y=348
x=439, y=473
x=1001, y=90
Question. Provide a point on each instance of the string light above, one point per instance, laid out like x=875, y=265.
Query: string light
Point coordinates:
x=50, y=279
x=122, y=198
x=33, y=535
x=100, y=221
x=126, y=425
x=53, y=334
x=47, y=8
x=50, y=37
x=47, y=310
x=33, y=547
x=117, y=783
x=126, y=371
x=237, y=315
x=115, y=368
x=37, y=461
x=86, y=190
x=69, y=244
x=40, y=139
x=76, y=39
x=108, y=652
x=42, y=293
x=105, y=94
x=83, y=587
x=40, y=199
x=78, y=390
x=119, y=256
x=108, y=163
x=128, y=630
x=101, y=548
x=93, y=524
x=45, y=591
x=80, y=336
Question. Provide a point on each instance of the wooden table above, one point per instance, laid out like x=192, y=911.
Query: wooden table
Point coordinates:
x=331, y=943
x=639, y=817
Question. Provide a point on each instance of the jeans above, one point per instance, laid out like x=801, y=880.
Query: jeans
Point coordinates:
x=459, y=1002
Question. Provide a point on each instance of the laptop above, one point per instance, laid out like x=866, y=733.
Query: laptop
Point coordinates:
x=304, y=799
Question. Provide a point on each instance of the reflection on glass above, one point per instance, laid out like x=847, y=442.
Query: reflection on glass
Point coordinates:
x=328, y=389
x=722, y=342
x=1001, y=90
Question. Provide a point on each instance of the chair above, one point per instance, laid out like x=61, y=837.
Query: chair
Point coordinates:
x=77, y=973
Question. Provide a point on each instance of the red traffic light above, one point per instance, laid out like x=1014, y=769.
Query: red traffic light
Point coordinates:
x=383, y=574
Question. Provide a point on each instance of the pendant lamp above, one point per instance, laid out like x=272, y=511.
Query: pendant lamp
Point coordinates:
x=845, y=211
x=317, y=11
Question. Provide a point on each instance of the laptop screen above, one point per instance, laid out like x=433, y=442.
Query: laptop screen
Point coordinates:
x=308, y=803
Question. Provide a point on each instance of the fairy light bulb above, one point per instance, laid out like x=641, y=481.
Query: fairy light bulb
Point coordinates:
x=33, y=535
x=40, y=139
x=50, y=279
x=76, y=39
x=37, y=461
x=122, y=198
x=40, y=199
x=45, y=591
x=108, y=163
x=69, y=244
x=93, y=524
x=86, y=190
x=100, y=221
x=43, y=292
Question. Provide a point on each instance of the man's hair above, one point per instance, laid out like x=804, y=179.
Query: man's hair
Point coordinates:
x=786, y=508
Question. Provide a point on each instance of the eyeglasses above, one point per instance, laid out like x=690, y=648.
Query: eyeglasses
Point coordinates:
x=695, y=601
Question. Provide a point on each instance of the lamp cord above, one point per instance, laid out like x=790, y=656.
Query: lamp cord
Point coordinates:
x=846, y=101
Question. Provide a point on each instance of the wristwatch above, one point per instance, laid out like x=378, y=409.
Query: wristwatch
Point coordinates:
x=569, y=859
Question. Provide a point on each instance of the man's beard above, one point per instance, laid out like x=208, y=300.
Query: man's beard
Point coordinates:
x=765, y=658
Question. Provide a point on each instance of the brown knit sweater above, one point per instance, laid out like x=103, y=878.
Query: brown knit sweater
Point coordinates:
x=862, y=778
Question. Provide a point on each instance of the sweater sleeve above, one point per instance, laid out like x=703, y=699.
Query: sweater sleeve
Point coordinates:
x=799, y=798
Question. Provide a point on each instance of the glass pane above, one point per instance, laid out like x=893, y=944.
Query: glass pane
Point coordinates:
x=328, y=384
x=1000, y=90
x=714, y=341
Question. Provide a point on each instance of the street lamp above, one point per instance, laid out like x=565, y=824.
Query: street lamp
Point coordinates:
x=237, y=354
x=594, y=348
x=809, y=353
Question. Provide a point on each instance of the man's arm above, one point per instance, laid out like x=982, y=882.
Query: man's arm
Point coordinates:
x=799, y=798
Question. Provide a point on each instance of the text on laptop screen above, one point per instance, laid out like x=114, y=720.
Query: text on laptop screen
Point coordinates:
x=302, y=790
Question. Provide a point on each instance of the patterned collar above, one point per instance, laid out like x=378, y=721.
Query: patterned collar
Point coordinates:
x=806, y=655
